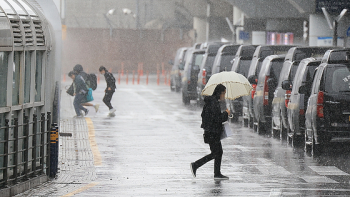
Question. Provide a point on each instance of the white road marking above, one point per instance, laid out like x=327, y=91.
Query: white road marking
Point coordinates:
x=328, y=170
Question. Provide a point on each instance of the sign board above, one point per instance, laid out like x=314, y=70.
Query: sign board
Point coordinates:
x=348, y=32
x=243, y=35
x=332, y=6
x=328, y=41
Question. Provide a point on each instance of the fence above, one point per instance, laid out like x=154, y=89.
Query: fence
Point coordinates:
x=26, y=152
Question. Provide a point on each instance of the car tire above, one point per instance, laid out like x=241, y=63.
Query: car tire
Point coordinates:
x=254, y=125
x=260, y=128
x=172, y=86
x=177, y=88
x=315, y=148
x=274, y=132
x=251, y=122
x=185, y=99
x=245, y=122
x=282, y=131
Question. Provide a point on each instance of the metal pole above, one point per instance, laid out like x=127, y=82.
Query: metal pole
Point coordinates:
x=35, y=126
x=48, y=130
x=26, y=145
x=42, y=142
x=335, y=33
x=6, y=151
x=15, y=156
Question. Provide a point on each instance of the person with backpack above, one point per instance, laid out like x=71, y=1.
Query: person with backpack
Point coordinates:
x=110, y=89
x=80, y=91
x=78, y=69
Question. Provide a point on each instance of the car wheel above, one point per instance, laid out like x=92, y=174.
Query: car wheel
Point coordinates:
x=177, y=88
x=254, y=125
x=185, y=99
x=283, y=131
x=245, y=122
x=274, y=132
x=260, y=128
x=315, y=148
x=250, y=122
x=172, y=86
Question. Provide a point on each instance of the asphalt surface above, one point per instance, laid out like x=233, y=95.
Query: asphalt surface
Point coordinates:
x=146, y=149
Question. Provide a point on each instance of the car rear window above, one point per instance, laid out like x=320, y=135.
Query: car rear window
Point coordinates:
x=276, y=68
x=337, y=79
x=244, y=67
x=209, y=63
x=225, y=64
x=197, y=59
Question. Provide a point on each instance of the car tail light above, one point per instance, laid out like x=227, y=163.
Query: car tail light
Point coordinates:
x=253, y=90
x=301, y=111
x=320, y=98
x=204, y=73
x=266, y=91
x=286, y=97
x=188, y=81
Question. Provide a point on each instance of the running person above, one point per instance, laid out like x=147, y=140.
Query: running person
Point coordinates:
x=110, y=89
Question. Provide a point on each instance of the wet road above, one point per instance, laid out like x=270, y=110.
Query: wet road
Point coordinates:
x=146, y=149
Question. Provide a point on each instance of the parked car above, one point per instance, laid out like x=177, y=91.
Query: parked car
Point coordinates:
x=190, y=75
x=261, y=52
x=205, y=69
x=328, y=110
x=297, y=102
x=265, y=87
x=175, y=75
x=224, y=57
x=241, y=64
x=279, y=122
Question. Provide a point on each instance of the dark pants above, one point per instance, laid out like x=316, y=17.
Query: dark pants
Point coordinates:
x=107, y=98
x=216, y=153
x=77, y=103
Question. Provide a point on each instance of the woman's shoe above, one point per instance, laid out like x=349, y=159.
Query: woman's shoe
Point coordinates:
x=220, y=177
x=193, y=169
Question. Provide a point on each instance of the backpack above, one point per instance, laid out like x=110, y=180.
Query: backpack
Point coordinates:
x=91, y=81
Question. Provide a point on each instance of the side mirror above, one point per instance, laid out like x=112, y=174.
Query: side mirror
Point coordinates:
x=171, y=62
x=286, y=85
x=253, y=79
x=302, y=89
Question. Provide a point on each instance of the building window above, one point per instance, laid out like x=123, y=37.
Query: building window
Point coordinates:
x=27, y=76
x=16, y=77
x=38, y=75
x=3, y=77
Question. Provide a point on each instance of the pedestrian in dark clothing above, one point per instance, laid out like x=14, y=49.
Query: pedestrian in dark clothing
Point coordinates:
x=110, y=89
x=212, y=119
x=80, y=91
x=78, y=69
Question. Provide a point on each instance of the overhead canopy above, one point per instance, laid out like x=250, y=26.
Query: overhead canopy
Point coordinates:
x=275, y=8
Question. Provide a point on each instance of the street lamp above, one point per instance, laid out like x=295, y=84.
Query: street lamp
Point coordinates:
x=109, y=13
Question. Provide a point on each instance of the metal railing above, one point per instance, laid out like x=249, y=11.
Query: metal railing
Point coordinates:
x=36, y=142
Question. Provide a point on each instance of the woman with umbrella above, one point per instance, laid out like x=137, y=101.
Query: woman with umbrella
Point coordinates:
x=212, y=119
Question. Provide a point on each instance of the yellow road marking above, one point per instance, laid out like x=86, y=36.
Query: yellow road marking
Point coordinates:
x=93, y=144
x=86, y=187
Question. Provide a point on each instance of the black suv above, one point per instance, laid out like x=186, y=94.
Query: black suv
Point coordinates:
x=261, y=52
x=224, y=57
x=265, y=87
x=205, y=68
x=281, y=96
x=328, y=110
x=241, y=64
x=175, y=75
x=190, y=74
x=297, y=102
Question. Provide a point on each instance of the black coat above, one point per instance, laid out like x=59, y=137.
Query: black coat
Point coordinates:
x=212, y=117
x=110, y=80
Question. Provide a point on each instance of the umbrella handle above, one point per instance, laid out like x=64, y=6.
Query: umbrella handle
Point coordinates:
x=230, y=116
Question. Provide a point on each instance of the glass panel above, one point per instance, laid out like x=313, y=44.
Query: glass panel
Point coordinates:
x=27, y=76
x=2, y=137
x=226, y=64
x=3, y=77
x=16, y=78
x=38, y=75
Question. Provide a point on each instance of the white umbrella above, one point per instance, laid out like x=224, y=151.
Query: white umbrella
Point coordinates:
x=236, y=85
